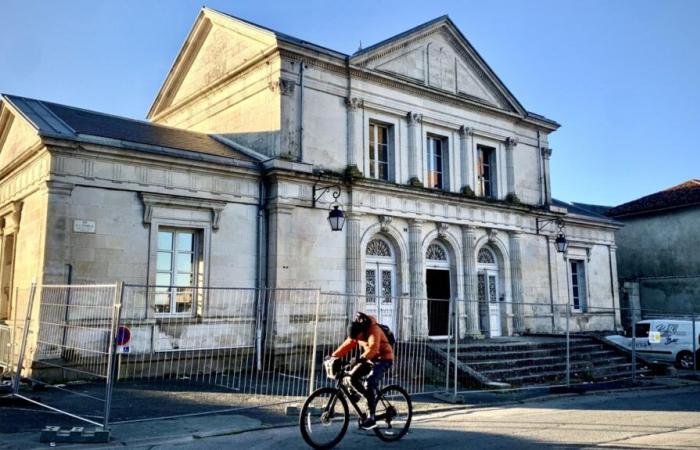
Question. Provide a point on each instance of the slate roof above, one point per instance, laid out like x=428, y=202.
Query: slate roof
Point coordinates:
x=76, y=124
x=579, y=210
x=680, y=196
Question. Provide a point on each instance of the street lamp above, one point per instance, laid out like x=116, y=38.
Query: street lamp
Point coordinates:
x=336, y=216
x=560, y=242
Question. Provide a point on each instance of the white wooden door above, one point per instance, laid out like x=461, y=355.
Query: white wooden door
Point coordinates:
x=380, y=281
x=488, y=301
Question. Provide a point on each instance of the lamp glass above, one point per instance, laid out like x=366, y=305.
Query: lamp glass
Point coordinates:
x=561, y=243
x=336, y=218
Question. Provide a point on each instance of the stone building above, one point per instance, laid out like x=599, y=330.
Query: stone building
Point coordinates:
x=443, y=177
x=658, y=250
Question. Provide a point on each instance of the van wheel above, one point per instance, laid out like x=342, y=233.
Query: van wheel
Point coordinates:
x=684, y=360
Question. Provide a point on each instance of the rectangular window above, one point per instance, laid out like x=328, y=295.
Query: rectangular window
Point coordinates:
x=178, y=270
x=379, y=150
x=487, y=170
x=578, y=285
x=437, y=163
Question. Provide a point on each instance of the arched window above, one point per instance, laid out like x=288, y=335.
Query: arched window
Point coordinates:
x=436, y=252
x=377, y=247
x=486, y=256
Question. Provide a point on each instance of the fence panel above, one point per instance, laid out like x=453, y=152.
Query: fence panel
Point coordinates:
x=67, y=349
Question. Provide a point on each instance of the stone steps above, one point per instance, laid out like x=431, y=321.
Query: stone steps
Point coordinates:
x=536, y=360
x=494, y=364
x=470, y=357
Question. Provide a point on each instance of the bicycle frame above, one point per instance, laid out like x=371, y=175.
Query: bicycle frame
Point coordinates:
x=346, y=392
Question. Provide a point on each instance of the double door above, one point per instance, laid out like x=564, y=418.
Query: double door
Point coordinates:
x=489, y=305
x=380, y=287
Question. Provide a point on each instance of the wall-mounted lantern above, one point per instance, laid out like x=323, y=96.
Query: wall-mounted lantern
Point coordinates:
x=560, y=242
x=336, y=216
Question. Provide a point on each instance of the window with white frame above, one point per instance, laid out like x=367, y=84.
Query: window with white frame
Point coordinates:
x=379, y=151
x=179, y=270
x=437, y=175
x=578, y=285
x=486, y=170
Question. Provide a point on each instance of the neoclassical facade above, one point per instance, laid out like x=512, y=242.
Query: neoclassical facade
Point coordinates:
x=442, y=174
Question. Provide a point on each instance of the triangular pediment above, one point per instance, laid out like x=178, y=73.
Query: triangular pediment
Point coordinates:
x=437, y=55
x=217, y=47
x=16, y=135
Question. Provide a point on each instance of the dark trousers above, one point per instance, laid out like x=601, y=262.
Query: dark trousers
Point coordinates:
x=374, y=372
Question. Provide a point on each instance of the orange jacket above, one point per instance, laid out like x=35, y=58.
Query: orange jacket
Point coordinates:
x=375, y=344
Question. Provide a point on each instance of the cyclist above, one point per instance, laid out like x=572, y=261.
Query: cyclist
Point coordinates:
x=374, y=361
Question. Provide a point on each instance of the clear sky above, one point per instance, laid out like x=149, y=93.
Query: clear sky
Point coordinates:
x=621, y=76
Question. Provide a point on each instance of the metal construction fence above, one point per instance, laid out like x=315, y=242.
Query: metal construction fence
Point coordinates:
x=237, y=348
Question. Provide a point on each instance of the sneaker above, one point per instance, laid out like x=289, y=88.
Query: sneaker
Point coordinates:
x=368, y=424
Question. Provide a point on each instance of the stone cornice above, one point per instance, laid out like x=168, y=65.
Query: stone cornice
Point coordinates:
x=151, y=201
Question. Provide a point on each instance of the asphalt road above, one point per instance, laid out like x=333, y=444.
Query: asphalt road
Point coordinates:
x=665, y=419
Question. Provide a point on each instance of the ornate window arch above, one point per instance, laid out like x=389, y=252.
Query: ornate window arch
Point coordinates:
x=378, y=247
x=436, y=252
x=486, y=256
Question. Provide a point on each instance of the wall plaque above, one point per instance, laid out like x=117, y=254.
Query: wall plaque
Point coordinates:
x=84, y=226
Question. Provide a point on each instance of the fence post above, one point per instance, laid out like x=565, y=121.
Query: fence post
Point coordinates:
x=568, y=346
x=456, y=347
x=634, y=351
x=312, y=368
x=447, y=357
x=25, y=335
x=695, y=345
x=111, y=366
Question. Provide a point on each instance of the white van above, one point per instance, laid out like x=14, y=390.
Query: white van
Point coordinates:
x=664, y=340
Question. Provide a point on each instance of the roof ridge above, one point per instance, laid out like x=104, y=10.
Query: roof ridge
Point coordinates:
x=411, y=30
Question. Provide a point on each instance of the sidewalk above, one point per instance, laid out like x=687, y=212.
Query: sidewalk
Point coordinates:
x=190, y=429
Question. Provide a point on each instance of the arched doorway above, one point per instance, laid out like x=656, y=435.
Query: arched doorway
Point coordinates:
x=488, y=292
x=437, y=284
x=380, y=280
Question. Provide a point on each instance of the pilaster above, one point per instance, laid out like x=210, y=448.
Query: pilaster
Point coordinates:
x=470, y=281
x=467, y=172
x=354, y=138
x=354, y=254
x=546, y=155
x=516, y=280
x=511, y=143
x=414, y=155
x=417, y=269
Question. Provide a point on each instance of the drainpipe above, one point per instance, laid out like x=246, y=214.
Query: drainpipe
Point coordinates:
x=540, y=166
x=261, y=269
x=301, y=111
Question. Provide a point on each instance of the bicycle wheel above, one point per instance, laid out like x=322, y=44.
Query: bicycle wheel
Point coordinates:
x=324, y=418
x=393, y=414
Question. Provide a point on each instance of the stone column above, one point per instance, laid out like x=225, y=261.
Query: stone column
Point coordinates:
x=470, y=281
x=415, y=261
x=465, y=156
x=354, y=255
x=414, y=154
x=546, y=154
x=516, y=280
x=511, y=143
x=355, y=140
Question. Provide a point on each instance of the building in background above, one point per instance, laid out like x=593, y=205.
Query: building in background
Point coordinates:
x=443, y=175
x=659, y=250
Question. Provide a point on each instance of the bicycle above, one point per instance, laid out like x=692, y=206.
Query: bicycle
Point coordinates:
x=325, y=416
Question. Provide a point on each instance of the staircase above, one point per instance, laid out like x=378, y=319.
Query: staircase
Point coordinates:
x=534, y=360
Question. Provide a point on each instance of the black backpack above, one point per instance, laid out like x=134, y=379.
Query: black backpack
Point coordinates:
x=366, y=321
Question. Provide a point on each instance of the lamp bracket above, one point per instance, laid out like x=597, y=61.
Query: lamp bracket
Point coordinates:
x=542, y=223
x=320, y=191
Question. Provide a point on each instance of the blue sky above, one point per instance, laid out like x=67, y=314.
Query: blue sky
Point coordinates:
x=622, y=77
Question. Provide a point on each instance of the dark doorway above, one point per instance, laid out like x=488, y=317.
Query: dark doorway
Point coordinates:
x=438, y=286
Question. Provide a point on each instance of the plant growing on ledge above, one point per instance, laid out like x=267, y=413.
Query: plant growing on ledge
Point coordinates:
x=415, y=182
x=512, y=198
x=467, y=191
x=352, y=173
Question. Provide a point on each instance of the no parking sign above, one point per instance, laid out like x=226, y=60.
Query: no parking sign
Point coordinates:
x=122, y=339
